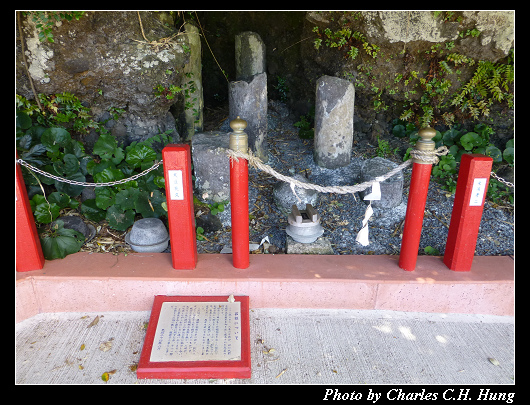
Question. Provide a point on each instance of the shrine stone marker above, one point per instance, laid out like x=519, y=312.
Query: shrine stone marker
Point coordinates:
x=197, y=337
x=247, y=99
x=333, y=122
x=250, y=55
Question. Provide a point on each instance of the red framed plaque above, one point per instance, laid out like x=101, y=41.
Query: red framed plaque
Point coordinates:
x=197, y=337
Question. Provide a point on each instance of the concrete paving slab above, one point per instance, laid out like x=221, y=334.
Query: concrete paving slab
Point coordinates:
x=289, y=346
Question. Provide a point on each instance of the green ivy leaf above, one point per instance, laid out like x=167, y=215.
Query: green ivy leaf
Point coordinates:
x=119, y=219
x=61, y=242
x=105, y=197
x=107, y=148
x=508, y=154
x=68, y=166
x=71, y=189
x=149, y=205
x=90, y=210
x=139, y=154
x=55, y=138
x=494, y=153
x=126, y=198
x=399, y=131
x=109, y=174
x=61, y=199
x=470, y=140
x=45, y=213
x=23, y=120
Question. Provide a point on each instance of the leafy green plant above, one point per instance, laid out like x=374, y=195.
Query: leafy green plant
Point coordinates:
x=120, y=203
x=306, y=124
x=282, y=88
x=383, y=148
x=460, y=141
x=345, y=40
x=217, y=207
x=200, y=233
x=491, y=82
x=166, y=92
x=45, y=21
x=60, y=242
x=429, y=250
x=56, y=152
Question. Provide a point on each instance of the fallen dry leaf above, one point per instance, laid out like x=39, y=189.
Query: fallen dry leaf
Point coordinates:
x=82, y=347
x=105, y=376
x=94, y=322
x=281, y=372
x=493, y=361
x=105, y=346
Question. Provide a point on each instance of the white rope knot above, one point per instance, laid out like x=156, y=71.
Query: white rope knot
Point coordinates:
x=429, y=156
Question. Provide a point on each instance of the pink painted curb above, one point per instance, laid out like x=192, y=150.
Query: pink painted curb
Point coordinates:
x=103, y=282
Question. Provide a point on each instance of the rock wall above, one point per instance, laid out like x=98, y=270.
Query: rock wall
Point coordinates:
x=103, y=60
x=408, y=43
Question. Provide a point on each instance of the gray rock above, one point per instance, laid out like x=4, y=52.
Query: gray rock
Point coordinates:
x=98, y=59
x=208, y=222
x=284, y=197
x=250, y=55
x=322, y=246
x=333, y=122
x=77, y=224
x=211, y=165
x=391, y=188
x=248, y=100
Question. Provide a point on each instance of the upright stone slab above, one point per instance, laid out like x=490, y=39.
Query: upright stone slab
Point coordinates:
x=211, y=165
x=248, y=99
x=391, y=188
x=333, y=122
x=192, y=115
x=250, y=55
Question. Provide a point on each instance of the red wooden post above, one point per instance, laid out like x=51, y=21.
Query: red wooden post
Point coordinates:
x=28, y=253
x=179, y=196
x=419, y=186
x=473, y=179
x=239, y=196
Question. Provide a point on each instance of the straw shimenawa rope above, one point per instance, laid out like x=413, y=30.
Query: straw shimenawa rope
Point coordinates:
x=425, y=156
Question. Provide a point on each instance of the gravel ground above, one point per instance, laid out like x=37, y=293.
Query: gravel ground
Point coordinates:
x=341, y=215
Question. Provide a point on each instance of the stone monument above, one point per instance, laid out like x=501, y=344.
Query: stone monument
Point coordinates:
x=333, y=122
x=250, y=55
x=194, y=102
x=248, y=94
x=211, y=165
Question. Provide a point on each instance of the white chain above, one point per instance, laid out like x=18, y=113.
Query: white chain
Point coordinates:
x=506, y=183
x=86, y=184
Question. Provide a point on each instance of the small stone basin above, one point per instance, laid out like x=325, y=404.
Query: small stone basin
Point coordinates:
x=148, y=235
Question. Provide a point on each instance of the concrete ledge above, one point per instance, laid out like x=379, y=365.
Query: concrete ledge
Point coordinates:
x=104, y=282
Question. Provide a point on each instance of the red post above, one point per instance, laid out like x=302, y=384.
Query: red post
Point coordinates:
x=471, y=187
x=419, y=186
x=179, y=197
x=28, y=253
x=239, y=196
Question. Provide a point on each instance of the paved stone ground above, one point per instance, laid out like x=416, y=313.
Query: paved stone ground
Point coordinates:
x=288, y=346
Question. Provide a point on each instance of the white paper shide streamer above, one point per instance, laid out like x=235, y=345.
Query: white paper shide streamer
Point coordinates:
x=362, y=236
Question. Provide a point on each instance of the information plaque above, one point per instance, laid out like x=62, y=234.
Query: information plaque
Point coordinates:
x=197, y=337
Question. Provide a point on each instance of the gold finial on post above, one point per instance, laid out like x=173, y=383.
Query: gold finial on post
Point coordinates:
x=238, y=138
x=425, y=143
